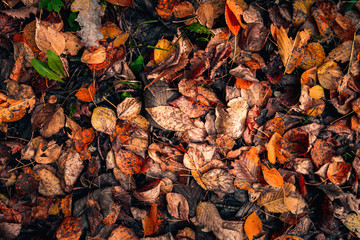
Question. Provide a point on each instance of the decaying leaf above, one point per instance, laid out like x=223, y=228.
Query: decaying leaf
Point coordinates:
x=290, y=50
x=206, y=15
x=246, y=169
x=97, y=56
x=122, y=232
x=89, y=20
x=329, y=75
x=149, y=192
x=48, y=37
x=49, y=183
x=128, y=109
x=48, y=153
x=252, y=226
x=233, y=11
x=170, y=118
x=352, y=222
x=177, y=205
x=70, y=228
x=128, y=162
x=231, y=120
x=338, y=172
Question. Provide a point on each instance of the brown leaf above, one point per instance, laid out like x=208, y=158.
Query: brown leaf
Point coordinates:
x=123, y=3
x=339, y=172
x=329, y=75
x=128, y=109
x=231, y=120
x=193, y=107
x=49, y=38
x=184, y=9
x=69, y=229
x=177, y=206
x=71, y=165
x=48, y=153
x=149, y=192
x=93, y=215
x=313, y=56
x=254, y=38
x=97, y=56
x=111, y=218
x=14, y=110
x=170, y=118
x=218, y=180
x=206, y=15
x=21, y=13
x=49, y=183
x=246, y=169
x=321, y=153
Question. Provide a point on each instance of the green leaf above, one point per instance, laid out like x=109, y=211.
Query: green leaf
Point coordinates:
x=72, y=23
x=125, y=95
x=44, y=70
x=55, y=63
x=198, y=28
x=137, y=65
x=44, y=3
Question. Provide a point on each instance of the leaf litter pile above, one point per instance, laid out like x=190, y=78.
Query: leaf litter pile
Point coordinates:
x=171, y=119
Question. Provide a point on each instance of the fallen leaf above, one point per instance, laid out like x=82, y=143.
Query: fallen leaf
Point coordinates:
x=71, y=165
x=313, y=56
x=128, y=162
x=15, y=109
x=170, y=118
x=339, y=172
x=252, y=226
x=151, y=222
x=49, y=38
x=72, y=44
x=352, y=222
x=49, y=183
x=290, y=50
x=70, y=228
x=86, y=94
x=48, y=153
x=301, y=11
x=165, y=8
x=246, y=169
x=231, y=120
x=149, y=192
x=233, y=11
x=206, y=15
x=184, y=9
x=316, y=92
x=160, y=54
x=218, y=180
x=103, y=120
x=272, y=176
x=21, y=13
x=97, y=56
x=329, y=75
x=177, y=206
x=193, y=107
x=89, y=21
x=123, y=3
x=128, y=109
x=122, y=232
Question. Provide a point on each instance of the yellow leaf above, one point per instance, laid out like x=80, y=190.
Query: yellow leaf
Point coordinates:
x=161, y=55
x=314, y=56
x=316, y=92
x=252, y=226
x=291, y=50
x=301, y=11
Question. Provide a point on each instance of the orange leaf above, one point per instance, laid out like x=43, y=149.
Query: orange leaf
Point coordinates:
x=252, y=226
x=184, y=9
x=338, y=172
x=233, y=11
x=246, y=168
x=272, y=176
x=123, y=233
x=151, y=222
x=86, y=94
x=123, y=3
x=69, y=229
x=242, y=83
x=128, y=162
x=165, y=8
